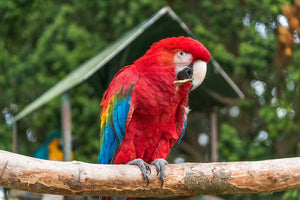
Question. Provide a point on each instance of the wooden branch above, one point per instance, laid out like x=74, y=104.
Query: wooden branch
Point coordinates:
x=78, y=178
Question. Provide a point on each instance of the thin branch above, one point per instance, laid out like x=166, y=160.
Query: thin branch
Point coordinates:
x=78, y=178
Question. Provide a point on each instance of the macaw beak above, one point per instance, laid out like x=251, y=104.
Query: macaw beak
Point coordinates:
x=199, y=72
x=194, y=72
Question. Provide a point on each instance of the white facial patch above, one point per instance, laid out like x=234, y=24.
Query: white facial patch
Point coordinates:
x=182, y=60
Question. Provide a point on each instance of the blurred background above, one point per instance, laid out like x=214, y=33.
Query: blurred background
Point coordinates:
x=257, y=43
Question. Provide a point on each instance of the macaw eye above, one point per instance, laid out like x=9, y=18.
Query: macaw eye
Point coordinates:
x=183, y=58
x=181, y=53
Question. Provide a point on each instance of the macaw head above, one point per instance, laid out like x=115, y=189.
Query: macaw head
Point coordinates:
x=187, y=58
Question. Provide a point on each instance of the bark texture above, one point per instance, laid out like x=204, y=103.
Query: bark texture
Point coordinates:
x=78, y=178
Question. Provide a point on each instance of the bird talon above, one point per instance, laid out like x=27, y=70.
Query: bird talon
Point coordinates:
x=160, y=165
x=148, y=168
x=144, y=167
x=147, y=178
x=162, y=183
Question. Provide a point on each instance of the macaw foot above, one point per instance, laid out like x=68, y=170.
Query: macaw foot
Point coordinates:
x=160, y=165
x=144, y=167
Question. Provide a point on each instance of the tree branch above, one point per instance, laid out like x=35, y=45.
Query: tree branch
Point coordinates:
x=78, y=178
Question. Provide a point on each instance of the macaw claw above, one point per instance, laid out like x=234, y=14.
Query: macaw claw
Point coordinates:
x=160, y=165
x=144, y=167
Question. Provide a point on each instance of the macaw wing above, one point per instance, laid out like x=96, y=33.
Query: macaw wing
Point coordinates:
x=115, y=113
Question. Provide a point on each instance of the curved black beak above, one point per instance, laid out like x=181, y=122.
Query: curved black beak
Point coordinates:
x=186, y=72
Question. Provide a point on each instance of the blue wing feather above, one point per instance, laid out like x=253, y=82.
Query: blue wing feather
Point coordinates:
x=114, y=128
x=123, y=110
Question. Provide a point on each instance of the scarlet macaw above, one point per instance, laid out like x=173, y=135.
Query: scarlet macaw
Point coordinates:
x=144, y=109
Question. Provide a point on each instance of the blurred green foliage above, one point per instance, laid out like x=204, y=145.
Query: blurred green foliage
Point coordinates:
x=42, y=41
